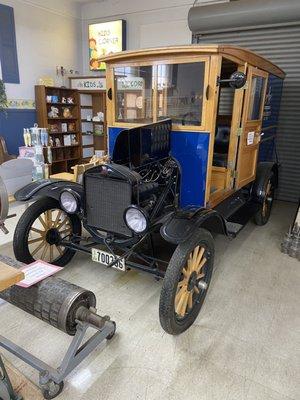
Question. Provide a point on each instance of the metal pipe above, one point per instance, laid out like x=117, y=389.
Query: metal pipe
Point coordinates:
x=238, y=15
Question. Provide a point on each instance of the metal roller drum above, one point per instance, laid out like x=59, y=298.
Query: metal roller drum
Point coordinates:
x=55, y=301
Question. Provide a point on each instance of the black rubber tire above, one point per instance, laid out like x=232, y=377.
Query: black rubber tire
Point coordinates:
x=24, y=224
x=259, y=218
x=51, y=395
x=168, y=320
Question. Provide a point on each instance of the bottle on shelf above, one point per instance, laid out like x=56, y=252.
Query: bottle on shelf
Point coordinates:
x=35, y=135
x=49, y=155
x=44, y=137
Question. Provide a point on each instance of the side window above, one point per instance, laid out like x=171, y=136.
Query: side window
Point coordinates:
x=180, y=92
x=256, y=96
x=8, y=47
x=134, y=98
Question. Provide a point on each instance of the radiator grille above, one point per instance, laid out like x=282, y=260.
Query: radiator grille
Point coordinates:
x=106, y=201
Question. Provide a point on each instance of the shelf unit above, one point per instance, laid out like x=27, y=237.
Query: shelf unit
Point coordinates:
x=63, y=156
x=92, y=102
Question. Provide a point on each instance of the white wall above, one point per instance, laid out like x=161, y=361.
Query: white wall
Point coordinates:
x=48, y=33
x=150, y=23
x=55, y=32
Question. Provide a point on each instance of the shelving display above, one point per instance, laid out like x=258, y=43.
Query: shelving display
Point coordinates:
x=92, y=114
x=58, y=110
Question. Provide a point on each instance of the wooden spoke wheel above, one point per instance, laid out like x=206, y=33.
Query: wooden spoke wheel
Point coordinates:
x=41, y=229
x=263, y=214
x=186, y=282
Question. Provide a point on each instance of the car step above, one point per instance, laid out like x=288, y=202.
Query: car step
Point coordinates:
x=233, y=228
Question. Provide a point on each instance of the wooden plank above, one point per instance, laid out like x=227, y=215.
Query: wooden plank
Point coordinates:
x=9, y=276
x=65, y=176
x=235, y=125
x=210, y=117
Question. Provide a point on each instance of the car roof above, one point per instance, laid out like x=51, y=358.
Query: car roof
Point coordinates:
x=239, y=54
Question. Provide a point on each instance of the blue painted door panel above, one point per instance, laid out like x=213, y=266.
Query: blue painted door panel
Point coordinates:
x=112, y=136
x=190, y=149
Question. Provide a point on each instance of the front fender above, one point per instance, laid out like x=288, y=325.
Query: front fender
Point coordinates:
x=181, y=226
x=47, y=188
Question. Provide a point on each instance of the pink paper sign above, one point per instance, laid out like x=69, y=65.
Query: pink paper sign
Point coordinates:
x=36, y=272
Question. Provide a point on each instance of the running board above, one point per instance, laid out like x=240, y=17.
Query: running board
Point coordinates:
x=239, y=219
x=233, y=228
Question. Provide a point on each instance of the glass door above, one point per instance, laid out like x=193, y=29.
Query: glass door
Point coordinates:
x=251, y=126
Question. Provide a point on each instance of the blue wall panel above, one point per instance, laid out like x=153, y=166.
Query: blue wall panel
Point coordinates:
x=11, y=127
x=8, y=45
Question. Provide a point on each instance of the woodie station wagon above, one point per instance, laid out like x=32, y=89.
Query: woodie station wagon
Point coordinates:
x=191, y=144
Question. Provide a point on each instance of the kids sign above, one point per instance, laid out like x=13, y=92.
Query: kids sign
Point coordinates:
x=88, y=83
x=105, y=38
x=130, y=83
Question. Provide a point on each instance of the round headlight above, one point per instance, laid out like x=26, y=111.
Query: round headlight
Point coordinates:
x=69, y=201
x=136, y=219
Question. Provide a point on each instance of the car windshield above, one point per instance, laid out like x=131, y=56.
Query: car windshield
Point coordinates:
x=149, y=93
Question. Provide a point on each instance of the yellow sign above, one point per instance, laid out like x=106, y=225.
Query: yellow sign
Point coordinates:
x=105, y=38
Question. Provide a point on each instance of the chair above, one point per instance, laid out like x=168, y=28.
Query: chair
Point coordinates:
x=16, y=174
x=4, y=156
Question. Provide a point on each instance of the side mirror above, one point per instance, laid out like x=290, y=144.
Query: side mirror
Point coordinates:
x=237, y=80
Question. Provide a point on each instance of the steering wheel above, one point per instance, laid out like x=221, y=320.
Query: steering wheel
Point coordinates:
x=3, y=205
x=190, y=115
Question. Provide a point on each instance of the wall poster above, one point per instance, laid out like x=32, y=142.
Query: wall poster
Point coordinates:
x=105, y=38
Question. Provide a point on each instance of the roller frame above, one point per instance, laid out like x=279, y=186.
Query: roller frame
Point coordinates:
x=75, y=354
x=78, y=349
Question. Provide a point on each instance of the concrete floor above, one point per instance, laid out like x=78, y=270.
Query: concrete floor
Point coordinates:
x=245, y=344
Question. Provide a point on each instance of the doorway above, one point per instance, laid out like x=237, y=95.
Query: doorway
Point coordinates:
x=228, y=119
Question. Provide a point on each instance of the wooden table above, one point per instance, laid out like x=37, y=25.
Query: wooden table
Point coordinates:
x=9, y=276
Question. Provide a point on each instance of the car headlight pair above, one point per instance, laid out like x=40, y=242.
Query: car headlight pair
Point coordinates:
x=69, y=201
x=136, y=219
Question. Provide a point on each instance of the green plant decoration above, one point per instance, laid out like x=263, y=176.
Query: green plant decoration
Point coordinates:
x=3, y=97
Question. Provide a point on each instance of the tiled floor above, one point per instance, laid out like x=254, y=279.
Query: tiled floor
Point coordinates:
x=245, y=344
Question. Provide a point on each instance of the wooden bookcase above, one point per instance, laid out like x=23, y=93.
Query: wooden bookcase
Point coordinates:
x=65, y=155
x=92, y=99
x=93, y=133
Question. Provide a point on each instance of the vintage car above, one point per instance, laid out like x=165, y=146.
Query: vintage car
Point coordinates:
x=191, y=146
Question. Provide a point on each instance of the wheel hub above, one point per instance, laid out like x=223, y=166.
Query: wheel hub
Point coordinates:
x=53, y=236
x=192, y=281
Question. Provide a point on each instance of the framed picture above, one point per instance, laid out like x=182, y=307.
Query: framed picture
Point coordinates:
x=105, y=38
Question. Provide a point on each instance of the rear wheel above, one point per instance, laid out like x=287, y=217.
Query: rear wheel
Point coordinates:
x=40, y=230
x=263, y=214
x=186, y=283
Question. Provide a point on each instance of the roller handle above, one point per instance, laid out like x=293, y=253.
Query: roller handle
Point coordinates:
x=90, y=316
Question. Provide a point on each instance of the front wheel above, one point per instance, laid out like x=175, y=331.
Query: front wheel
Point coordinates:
x=39, y=232
x=186, y=282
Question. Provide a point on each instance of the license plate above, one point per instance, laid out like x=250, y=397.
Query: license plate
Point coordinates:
x=105, y=258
